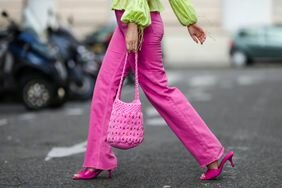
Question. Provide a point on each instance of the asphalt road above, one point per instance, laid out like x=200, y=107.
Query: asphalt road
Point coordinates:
x=242, y=107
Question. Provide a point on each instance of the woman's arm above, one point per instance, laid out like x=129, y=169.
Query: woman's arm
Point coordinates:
x=184, y=11
x=131, y=37
x=186, y=15
x=136, y=15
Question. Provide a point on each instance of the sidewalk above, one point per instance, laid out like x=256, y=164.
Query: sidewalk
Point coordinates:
x=181, y=51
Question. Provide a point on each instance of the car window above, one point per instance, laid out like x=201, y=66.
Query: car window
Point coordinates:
x=253, y=34
x=274, y=34
x=249, y=33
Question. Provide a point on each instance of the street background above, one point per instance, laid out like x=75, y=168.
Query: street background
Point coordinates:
x=220, y=18
x=241, y=105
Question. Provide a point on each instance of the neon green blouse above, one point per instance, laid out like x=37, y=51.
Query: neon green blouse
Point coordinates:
x=138, y=11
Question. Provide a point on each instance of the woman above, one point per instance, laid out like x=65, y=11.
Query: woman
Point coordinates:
x=137, y=18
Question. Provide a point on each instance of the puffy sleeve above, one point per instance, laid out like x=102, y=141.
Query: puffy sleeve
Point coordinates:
x=137, y=11
x=184, y=11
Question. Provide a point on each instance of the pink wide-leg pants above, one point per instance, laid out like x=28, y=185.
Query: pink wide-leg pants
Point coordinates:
x=170, y=102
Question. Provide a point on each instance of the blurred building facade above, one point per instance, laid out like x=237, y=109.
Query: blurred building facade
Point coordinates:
x=214, y=14
x=218, y=17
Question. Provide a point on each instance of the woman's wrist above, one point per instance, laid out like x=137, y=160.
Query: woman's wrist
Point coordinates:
x=132, y=25
x=191, y=24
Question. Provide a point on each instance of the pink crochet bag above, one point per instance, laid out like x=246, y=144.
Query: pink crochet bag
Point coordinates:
x=125, y=128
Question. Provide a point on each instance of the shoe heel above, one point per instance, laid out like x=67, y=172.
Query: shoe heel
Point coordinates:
x=110, y=173
x=231, y=162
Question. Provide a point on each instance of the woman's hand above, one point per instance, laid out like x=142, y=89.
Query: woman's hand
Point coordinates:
x=132, y=37
x=197, y=33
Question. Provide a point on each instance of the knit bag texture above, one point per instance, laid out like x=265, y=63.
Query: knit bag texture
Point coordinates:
x=125, y=128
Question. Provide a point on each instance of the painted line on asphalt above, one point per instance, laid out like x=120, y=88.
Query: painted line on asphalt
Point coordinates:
x=159, y=121
x=167, y=186
x=27, y=116
x=74, y=111
x=203, y=81
x=57, y=152
x=173, y=77
x=154, y=117
x=226, y=84
x=247, y=80
x=3, y=122
x=198, y=94
x=151, y=111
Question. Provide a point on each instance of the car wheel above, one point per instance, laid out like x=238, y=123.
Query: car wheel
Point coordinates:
x=239, y=59
x=59, y=99
x=36, y=92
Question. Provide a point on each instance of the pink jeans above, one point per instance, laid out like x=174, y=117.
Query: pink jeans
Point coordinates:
x=170, y=102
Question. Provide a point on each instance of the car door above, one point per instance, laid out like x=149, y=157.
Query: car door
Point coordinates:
x=274, y=42
x=253, y=41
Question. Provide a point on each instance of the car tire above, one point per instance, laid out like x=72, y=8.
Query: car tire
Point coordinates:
x=36, y=92
x=240, y=59
x=59, y=99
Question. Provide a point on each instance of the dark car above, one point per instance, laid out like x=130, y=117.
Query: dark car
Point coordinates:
x=99, y=40
x=258, y=43
x=30, y=69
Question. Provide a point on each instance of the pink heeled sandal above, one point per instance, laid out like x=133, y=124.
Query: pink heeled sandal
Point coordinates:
x=87, y=173
x=213, y=173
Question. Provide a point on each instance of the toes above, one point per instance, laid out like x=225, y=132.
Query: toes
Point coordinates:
x=202, y=176
x=91, y=169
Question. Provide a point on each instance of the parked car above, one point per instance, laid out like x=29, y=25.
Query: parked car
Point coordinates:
x=30, y=69
x=81, y=64
x=257, y=43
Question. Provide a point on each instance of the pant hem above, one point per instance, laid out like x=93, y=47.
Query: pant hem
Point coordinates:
x=100, y=167
x=213, y=159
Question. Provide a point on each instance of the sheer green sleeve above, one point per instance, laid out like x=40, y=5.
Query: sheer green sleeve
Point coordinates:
x=184, y=11
x=137, y=11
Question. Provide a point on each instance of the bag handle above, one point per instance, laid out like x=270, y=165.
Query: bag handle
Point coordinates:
x=136, y=77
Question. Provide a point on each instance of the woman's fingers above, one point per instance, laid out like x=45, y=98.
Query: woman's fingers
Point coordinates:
x=195, y=38
x=131, y=46
x=197, y=33
x=203, y=36
x=201, y=39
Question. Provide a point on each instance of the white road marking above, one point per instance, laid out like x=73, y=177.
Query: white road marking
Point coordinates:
x=226, y=84
x=151, y=111
x=154, y=117
x=166, y=186
x=27, y=116
x=173, y=77
x=198, y=94
x=3, y=122
x=74, y=111
x=57, y=152
x=203, y=81
x=202, y=98
x=159, y=121
x=247, y=80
